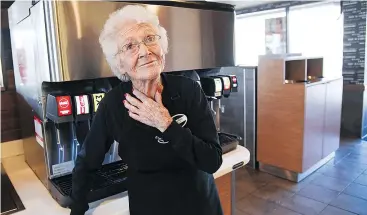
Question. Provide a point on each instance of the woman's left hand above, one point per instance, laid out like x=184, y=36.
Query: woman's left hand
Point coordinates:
x=148, y=111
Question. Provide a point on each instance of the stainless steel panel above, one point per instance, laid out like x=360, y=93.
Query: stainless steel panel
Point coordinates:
x=237, y=114
x=18, y=11
x=294, y=176
x=30, y=54
x=232, y=109
x=52, y=40
x=250, y=110
x=24, y=48
x=34, y=153
x=198, y=38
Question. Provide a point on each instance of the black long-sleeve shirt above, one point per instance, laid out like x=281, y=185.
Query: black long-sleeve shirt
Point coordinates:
x=169, y=173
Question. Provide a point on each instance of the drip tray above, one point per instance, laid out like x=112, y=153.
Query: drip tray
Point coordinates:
x=10, y=201
x=228, y=142
x=108, y=181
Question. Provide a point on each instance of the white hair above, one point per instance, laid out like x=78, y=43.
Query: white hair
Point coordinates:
x=115, y=22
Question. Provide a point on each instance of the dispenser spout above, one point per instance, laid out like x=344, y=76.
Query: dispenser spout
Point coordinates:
x=212, y=108
x=59, y=145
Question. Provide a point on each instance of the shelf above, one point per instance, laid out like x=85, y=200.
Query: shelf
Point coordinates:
x=295, y=70
x=314, y=68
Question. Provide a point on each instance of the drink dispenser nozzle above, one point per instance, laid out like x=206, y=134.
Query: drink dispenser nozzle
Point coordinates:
x=81, y=124
x=60, y=146
x=226, y=85
x=59, y=111
x=213, y=89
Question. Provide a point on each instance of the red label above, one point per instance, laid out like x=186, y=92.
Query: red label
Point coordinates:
x=234, y=78
x=64, y=105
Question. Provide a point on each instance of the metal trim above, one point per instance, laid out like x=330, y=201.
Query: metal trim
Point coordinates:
x=53, y=40
x=205, y=5
x=294, y=176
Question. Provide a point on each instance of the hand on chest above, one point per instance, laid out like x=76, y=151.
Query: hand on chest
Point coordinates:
x=145, y=144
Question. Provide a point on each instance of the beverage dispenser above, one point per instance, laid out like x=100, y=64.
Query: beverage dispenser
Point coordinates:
x=61, y=77
x=70, y=109
x=112, y=154
x=82, y=122
x=217, y=87
x=235, y=109
x=59, y=112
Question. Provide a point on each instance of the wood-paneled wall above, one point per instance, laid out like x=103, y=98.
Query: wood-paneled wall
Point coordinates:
x=10, y=123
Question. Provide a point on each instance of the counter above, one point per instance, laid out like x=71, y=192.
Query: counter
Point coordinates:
x=37, y=200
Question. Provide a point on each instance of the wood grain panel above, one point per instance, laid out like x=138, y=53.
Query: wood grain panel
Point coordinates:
x=314, y=125
x=10, y=135
x=4, y=18
x=225, y=192
x=280, y=117
x=292, y=117
x=8, y=100
x=10, y=121
x=10, y=124
x=334, y=96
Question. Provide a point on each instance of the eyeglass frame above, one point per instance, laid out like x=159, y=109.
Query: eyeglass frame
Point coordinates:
x=138, y=43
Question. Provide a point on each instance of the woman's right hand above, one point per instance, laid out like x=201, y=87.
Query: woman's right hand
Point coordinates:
x=148, y=111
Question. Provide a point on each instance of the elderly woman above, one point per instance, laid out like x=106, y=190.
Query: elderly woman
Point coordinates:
x=163, y=124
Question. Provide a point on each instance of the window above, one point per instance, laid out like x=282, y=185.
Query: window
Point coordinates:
x=317, y=30
x=259, y=33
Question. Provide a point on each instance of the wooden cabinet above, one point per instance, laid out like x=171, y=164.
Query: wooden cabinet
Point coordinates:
x=313, y=125
x=322, y=121
x=332, y=118
x=299, y=113
x=224, y=186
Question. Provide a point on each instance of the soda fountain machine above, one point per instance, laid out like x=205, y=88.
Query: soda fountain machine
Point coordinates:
x=231, y=93
x=217, y=88
x=69, y=111
x=61, y=75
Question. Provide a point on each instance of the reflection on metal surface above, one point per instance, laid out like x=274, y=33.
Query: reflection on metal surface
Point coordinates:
x=153, y=8
x=204, y=40
x=75, y=7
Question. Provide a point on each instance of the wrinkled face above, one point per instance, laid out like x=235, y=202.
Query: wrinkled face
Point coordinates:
x=139, y=51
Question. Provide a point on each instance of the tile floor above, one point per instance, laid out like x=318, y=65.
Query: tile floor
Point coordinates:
x=337, y=188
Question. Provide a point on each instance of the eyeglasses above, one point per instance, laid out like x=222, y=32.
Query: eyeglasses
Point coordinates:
x=133, y=47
